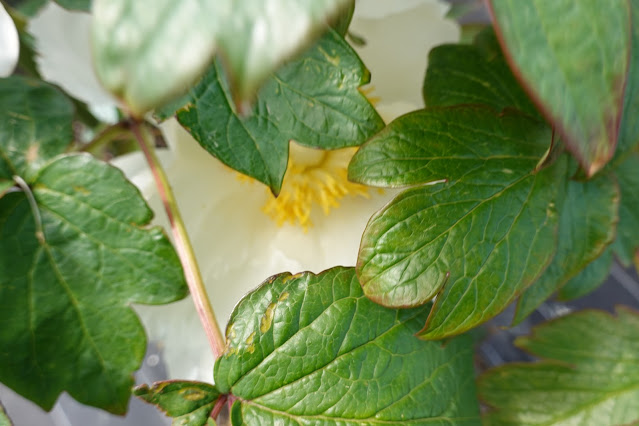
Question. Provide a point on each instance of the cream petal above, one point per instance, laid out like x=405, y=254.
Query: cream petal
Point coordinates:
x=376, y=9
x=9, y=44
x=64, y=55
x=397, y=48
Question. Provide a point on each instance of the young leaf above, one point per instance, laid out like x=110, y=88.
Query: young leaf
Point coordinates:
x=551, y=62
x=313, y=100
x=313, y=349
x=35, y=126
x=473, y=74
x=587, y=225
x=591, y=376
x=73, y=256
x=591, y=277
x=188, y=403
x=627, y=243
x=477, y=240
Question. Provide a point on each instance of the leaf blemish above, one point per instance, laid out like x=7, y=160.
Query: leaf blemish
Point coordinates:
x=267, y=319
x=32, y=153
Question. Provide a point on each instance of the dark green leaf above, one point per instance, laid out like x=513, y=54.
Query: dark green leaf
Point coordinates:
x=314, y=100
x=4, y=186
x=550, y=45
x=65, y=289
x=473, y=74
x=587, y=225
x=450, y=144
x=82, y=5
x=189, y=403
x=27, y=8
x=312, y=349
x=591, y=277
x=35, y=125
x=627, y=243
x=477, y=240
x=591, y=376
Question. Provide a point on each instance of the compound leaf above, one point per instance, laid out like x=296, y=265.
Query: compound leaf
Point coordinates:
x=188, y=403
x=314, y=100
x=312, y=349
x=586, y=107
x=72, y=259
x=590, y=377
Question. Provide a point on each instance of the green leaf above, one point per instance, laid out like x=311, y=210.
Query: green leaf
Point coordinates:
x=591, y=376
x=314, y=100
x=35, y=125
x=629, y=131
x=626, y=245
x=312, y=349
x=28, y=8
x=473, y=74
x=188, y=403
x=284, y=27
x=81, y=5
x=4, y=418
x=587, y=225
x=591, y=277
x=70, y=267
x=450, y=144
x=476, y=240
x=551, y=62
x=147, y=52
x=4, y=186
x=342, y=21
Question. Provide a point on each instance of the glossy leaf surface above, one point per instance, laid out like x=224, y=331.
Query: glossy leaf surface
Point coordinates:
x=477, y=240
x=35, y=126
x=69, y=271
x=626, y=245
x=455, y=143
x=314, y=100
x=591, y=376
x=473, y=74
x=587, y=225
x=585, y=106
x=312, y=349
x=591, y=277
x=188, y=403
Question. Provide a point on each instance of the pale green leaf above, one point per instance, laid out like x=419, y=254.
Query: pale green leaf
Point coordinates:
x=148, y=51
x=591, y=376
x=4, y=418
x=573, y=57
x=312, y=349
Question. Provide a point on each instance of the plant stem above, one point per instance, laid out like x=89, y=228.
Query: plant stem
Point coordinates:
x=34, y=207
x=110, y=133
x=182, y=242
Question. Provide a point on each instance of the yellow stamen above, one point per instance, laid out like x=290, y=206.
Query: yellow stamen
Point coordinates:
x=313, y=176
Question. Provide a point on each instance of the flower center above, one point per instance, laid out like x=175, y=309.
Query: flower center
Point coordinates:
x=313, y=177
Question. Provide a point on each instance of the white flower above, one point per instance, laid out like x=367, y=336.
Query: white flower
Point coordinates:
x=9, y=43
x=237, y=245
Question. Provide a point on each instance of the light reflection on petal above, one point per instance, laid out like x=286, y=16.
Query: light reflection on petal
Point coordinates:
x=9, y=44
